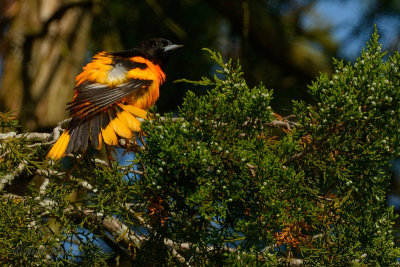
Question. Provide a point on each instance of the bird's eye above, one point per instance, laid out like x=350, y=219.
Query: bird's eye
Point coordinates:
x=154, y=44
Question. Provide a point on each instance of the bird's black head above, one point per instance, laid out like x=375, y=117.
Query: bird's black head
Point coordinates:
x=158, y=50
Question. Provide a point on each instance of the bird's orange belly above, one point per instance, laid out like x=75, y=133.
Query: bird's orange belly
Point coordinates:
x=145, y=97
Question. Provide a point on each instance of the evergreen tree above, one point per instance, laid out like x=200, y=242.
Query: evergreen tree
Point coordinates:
x=227, y=181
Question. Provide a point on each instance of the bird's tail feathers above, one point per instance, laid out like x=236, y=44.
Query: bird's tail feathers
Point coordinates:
x=119, y=120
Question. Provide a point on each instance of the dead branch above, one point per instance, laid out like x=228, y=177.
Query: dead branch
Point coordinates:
x=9, y=177
x=29, y=136
x=282, y=124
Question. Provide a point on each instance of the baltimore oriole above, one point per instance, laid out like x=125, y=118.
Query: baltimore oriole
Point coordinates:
x=111, y=91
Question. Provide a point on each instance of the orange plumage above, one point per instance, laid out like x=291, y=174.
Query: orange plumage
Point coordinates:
x=111, y=91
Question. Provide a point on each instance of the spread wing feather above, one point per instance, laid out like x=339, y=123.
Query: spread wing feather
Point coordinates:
x=92, y=99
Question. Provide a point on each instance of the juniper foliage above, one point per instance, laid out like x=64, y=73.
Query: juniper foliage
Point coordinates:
x=222, y=184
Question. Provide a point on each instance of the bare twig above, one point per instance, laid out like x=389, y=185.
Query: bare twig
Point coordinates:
x=43, y=186
x=9, y=178
x=29, y=136
x=289, y=117
x=172, y=247
x=252, y=169
x=101, y=162
x=49, y=173
x=311, y=147
x=282, y=124
x=121, y=232
x=174, y=119
x=55, y=134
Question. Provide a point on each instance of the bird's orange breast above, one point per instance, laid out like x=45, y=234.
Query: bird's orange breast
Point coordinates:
x=146, y=97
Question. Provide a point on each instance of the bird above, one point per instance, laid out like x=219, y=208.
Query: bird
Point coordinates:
x=110, y=93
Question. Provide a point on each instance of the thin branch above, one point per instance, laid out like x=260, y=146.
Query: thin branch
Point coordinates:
x=172, y=247
x=311, y=147
x=9, y=177
x=121, y=232
x=297, y=156
x=101, y=162
x=282, y=124
x=43, y=186
x=29, y=136
x=55, y=134
x=174, y=119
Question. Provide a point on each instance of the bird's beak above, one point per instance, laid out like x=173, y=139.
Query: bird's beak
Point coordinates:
x=171, y=47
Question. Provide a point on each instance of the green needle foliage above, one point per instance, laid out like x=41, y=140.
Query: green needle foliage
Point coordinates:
x=224, y=179
x=225, y=182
